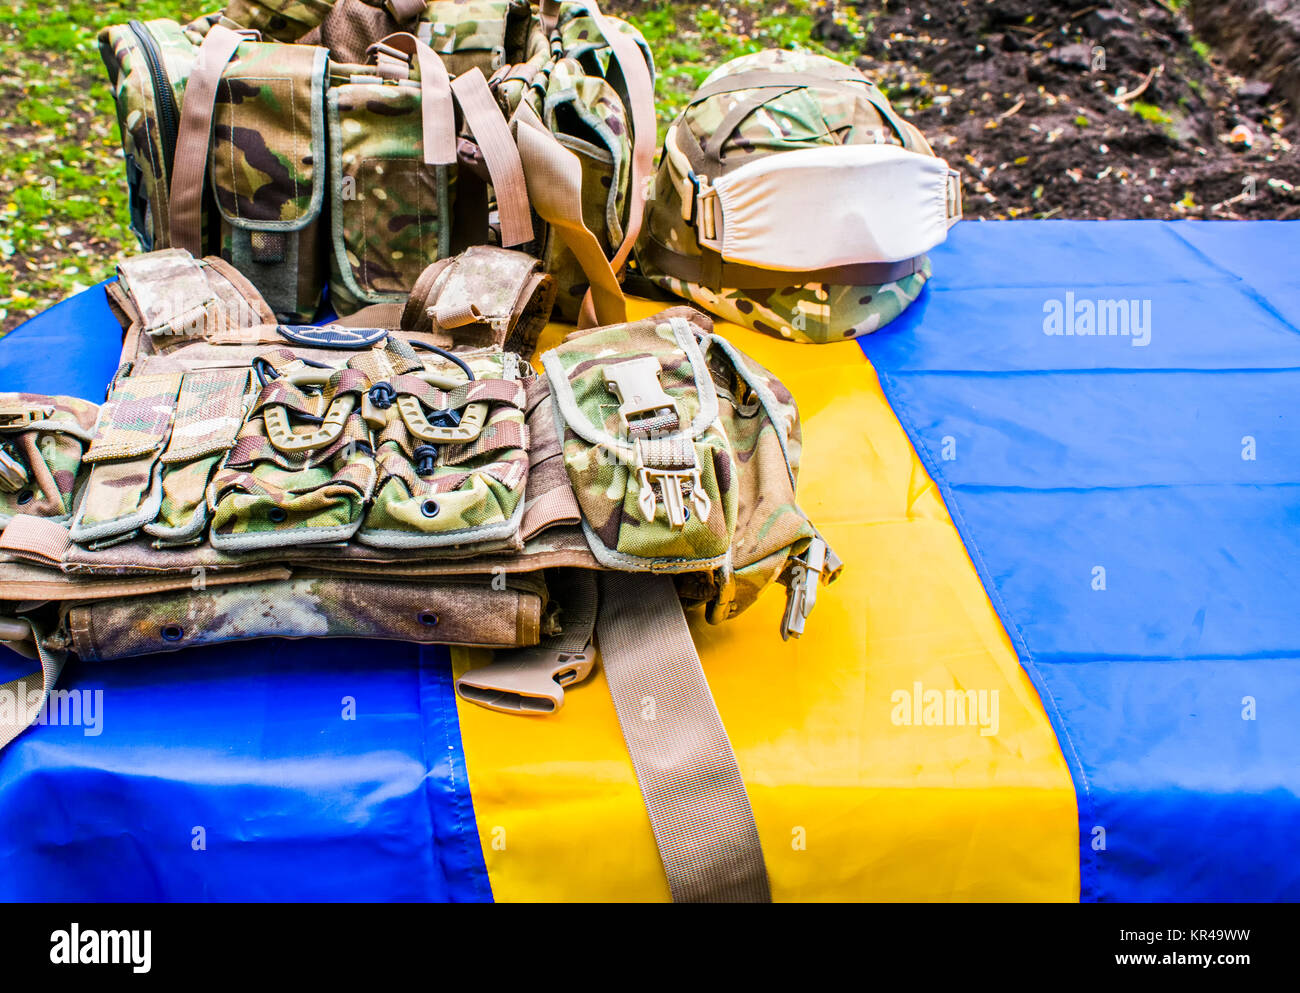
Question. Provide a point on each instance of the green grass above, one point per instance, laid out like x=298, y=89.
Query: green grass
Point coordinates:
x=691, y=40
x=63, y=217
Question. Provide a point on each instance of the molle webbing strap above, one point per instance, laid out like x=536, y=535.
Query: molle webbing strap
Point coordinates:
x=35, y=538
x=712, y=271
x=554, y=177
x=499, y=152
x=684, y=763
x=436, y=109
x=194, y=135
x=22, y=699
x=641, y=104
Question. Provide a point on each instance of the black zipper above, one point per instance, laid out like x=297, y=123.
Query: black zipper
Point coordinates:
x=163, y=96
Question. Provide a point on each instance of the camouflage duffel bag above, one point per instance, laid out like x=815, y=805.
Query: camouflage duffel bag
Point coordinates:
x=792, y=198
x=379, y=142
x=420, y=482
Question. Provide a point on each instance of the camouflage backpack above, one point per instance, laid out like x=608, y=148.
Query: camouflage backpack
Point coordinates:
x=419, y=482
x=354, y=143
x=792, y=198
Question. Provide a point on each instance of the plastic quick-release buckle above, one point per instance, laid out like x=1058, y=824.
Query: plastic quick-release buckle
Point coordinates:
x=665, y=468
x=17, y=417
x=675, y=480
x=953, y=189
x=801, y=594
x=525, y=680
x=13, y=474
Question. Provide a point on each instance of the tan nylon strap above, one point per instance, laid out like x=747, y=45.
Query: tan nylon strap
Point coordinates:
x=405, y=11
x=35, y=537
x=499, y=152
x=641, y=97
x=437, y=114
x=19, y=706
x=375, y=315
x=193, y=137
x=554, y=177
x=684, y=763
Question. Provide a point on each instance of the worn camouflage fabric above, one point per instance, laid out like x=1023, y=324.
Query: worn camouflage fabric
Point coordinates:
x=469, y=610
x=42, y=441
x=277, y=20
x=391, y=212
x=805, y=117
x=483, y=33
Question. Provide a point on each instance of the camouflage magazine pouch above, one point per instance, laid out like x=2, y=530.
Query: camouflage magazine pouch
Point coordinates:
x=42, y=445
x=391, y=212
x=451, y=453
x=268, y=171
x=209, y=413
x=124, y=490
x=302, y=467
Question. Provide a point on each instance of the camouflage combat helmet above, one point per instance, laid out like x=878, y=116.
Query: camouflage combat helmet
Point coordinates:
x=718, y=203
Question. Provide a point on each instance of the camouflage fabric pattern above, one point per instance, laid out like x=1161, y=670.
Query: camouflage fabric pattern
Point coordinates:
x=121, y=493
x=268, y=171
x=581, y=40
x=147, y=159
x=391, y=212
x=590, y=120
x=209, y=414
x=804, y=118
x=748, y=457
x=483, y=33
x=277, y=20
x=462, y=611
x=263, y=497
x=49, y=449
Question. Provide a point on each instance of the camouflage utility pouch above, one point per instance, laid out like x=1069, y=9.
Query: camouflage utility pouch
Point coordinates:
x=683, y=455
x=391, y=212
x=42, y=446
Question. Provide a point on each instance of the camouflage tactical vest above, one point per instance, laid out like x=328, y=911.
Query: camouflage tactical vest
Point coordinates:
x=420, y=482
x=351, y=144
x=793, y=199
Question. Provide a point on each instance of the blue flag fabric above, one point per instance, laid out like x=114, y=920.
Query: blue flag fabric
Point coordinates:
x=1109, y=410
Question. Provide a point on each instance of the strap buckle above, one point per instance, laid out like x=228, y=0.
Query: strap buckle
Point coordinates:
x=662, y=467
x=525, y=680
x=13, y=474
x=953, y=190
x=17, y=417
x=285, y=438
x=636, y=384
x=801, y=593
